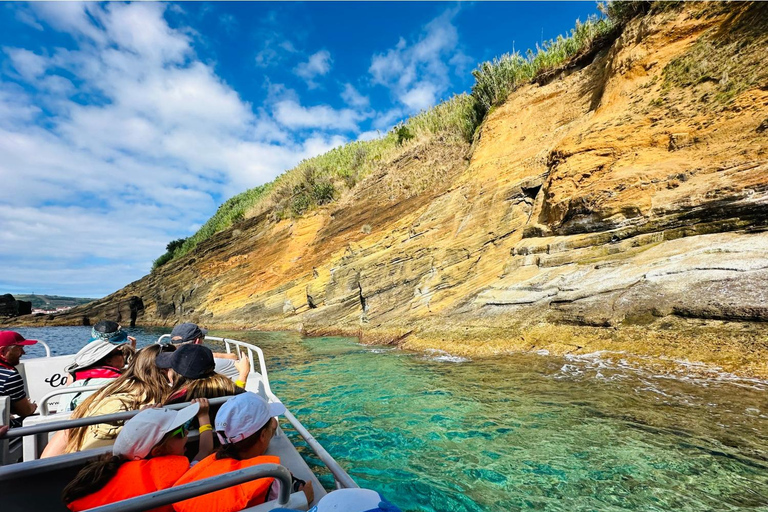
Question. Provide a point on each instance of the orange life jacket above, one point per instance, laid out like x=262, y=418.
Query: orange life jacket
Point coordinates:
x=135, y=478
x=233, y=498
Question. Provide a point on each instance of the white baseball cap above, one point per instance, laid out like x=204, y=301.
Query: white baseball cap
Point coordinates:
x=243, y=415
x=145, y=430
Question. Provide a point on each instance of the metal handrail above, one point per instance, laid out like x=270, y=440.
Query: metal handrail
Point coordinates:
x=47, y=348
x=208, y=485
x=64, y=391
x=341, y=476
x=92, y=420
x=250, y=348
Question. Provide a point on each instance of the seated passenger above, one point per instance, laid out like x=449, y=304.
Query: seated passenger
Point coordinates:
x=191, y=372
x=109, y=331
x=244, y=425
x=189, y=333
x=97, y=363
x=142, y=383
x=148, y=456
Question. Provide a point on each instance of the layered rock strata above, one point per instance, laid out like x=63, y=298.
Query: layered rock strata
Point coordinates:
x=621, y=206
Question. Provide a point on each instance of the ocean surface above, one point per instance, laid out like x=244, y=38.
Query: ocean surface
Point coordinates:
x=438, y=433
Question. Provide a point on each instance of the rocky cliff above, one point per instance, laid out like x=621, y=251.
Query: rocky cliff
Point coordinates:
x=618, y=206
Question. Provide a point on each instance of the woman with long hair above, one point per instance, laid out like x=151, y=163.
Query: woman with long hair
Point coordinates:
x=148, y=456
x=191, y=371
x=143, y=383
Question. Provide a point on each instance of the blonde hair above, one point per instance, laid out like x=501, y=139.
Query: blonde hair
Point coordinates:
x=142, y=381
x=212, y=386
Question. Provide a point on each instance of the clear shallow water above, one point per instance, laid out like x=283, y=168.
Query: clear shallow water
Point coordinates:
x=529, y=432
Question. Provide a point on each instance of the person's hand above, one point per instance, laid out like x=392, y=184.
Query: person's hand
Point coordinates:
x=34, y=407
x=3, y=430
x=307, y=488
x=132, y=340
x=243, y=366
x=202, y=414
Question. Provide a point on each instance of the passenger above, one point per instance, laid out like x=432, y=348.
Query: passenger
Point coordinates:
x=191, y=333
x=11, y=384
x=191, y=374
x=142, y=383
x=148, y=456
x=107, y=330
x=244, y=425
x=97, y=363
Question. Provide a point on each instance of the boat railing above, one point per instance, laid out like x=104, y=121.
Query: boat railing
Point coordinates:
x=53, y=426
x=64, y=391
x=211, y=484
x=46, y=347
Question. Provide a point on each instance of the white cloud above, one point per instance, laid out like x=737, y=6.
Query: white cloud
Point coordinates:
x=291, y=114
x=353, y=97
x=137, y=153
x=319, y=64
x=28, y=64
x=417, y=74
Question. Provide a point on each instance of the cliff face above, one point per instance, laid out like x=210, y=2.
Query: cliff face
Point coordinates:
x=621, y=206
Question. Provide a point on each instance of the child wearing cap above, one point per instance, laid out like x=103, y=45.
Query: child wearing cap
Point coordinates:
x=244, y=425
x=147, y=456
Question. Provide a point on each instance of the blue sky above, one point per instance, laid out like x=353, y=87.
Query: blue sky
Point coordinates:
x=124, y=126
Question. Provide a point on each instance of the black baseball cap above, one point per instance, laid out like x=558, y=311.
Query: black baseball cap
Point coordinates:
x=190, y=361
x=185, y=332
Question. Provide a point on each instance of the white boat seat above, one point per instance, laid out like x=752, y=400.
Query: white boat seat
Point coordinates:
x=10, y=449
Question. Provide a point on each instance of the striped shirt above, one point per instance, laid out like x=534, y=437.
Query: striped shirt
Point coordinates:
x=11, y=384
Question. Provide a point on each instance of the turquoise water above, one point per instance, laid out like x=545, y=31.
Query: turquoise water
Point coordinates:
x=526, y=432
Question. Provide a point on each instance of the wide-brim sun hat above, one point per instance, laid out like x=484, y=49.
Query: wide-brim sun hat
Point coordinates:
x=91, y=354
x=243, y=415
x=145, y=430
x=10, y=338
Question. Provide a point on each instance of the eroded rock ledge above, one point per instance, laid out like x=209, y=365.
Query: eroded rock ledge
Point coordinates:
x=622, y=207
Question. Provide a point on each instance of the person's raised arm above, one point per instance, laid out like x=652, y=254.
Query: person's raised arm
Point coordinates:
x=243, y=366
x=224, y=355
x=206, y=429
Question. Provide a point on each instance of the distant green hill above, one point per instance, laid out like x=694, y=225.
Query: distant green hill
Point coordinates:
x=51, y=302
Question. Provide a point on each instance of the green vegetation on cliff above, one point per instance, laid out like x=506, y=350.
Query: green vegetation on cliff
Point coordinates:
x=321, y=179
x=51, y=302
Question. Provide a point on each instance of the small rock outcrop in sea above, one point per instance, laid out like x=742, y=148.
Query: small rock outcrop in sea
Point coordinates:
x=10, y=307
x=621, y=205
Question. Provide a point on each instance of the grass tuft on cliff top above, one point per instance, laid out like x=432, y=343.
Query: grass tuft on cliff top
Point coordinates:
x=322, y=179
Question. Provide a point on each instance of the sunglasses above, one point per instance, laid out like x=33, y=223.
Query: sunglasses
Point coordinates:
x=182, y=431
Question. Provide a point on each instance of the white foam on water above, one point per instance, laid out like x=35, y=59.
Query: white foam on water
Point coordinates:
x=435, y=354
x=601, y=362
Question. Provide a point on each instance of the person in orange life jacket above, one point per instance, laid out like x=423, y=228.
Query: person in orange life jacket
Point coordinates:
x=147, y=456
x=244, y=425
x=11, y=384
x=97, y=363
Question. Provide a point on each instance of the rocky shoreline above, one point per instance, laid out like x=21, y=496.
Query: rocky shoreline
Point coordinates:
x=621, y=206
